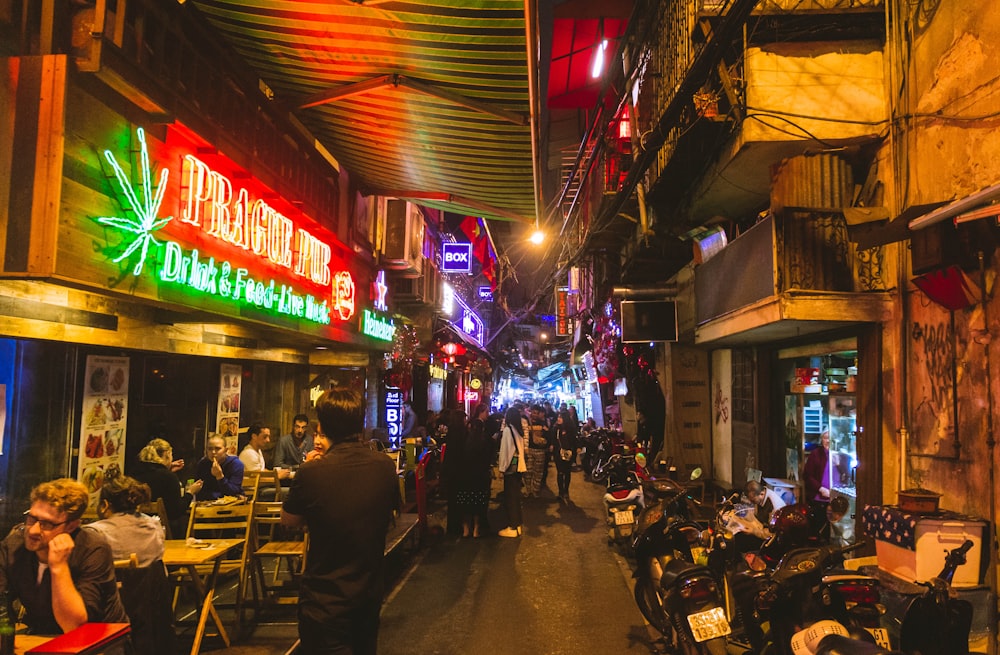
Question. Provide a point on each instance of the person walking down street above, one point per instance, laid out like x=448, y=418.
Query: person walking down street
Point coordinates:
x=220, y=473
x=292, y=448
x=469, y=458
x=565, y=438
x=62, y=575
x=535, y=453
x=511, y=462
x=346, y=498
x=157, y=468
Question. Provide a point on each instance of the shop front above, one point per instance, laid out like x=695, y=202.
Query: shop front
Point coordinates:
x=153, y=287
x=817, y=388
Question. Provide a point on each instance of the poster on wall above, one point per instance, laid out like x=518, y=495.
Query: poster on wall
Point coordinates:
x=230, y=385
x=102, y=423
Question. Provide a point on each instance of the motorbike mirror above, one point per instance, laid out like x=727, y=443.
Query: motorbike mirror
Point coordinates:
x=696, y=473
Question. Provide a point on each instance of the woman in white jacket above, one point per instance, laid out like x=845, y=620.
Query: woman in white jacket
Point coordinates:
x=511, y=462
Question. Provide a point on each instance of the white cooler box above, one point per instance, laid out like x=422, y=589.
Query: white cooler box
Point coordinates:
x=935, y=536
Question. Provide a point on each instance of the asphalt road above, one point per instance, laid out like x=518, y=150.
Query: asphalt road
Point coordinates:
x=557, y=589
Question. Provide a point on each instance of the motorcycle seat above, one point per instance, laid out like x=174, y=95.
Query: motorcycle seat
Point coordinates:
x=677, y=568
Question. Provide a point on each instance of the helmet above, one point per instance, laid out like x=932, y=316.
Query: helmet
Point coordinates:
x=790, y=523
x=640, y=460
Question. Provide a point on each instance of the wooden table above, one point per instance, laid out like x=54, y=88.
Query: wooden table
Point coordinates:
x=179, y=555
x=24, y=643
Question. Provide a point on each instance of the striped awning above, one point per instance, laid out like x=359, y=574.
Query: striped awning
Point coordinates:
x=423, y=101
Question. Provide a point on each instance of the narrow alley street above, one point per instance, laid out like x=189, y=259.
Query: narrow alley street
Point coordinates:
x=559, y=588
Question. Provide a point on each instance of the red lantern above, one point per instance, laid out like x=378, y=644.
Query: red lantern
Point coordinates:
x=451, y=349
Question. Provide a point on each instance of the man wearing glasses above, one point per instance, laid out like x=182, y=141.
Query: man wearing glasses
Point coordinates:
x=62, y=575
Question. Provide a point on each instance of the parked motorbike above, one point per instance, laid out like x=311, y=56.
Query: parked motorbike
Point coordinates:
x=611, y=443
x=928, y=618
x=589, y=447
x=623, y=499
x=675, y=591
x=806, y=588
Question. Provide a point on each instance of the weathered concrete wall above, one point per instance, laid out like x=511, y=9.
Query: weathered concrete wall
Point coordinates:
x=806, y=80
x=939, y=369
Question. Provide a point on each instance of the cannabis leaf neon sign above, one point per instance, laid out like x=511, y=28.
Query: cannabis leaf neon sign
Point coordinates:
x=145, y=223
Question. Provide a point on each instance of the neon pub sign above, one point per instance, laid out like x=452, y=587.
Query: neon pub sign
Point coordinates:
x=274, y=265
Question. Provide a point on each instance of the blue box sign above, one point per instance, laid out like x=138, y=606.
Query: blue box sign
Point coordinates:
x=456, y=257
x=486, y=294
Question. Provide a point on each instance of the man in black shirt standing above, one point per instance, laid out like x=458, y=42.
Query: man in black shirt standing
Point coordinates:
x=346, y=499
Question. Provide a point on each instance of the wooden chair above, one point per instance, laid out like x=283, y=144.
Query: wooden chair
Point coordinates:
x=254, y=482
x=267, y=524
x=157, y=508
x=130, y=562
x=145, y=594
x=225, y=522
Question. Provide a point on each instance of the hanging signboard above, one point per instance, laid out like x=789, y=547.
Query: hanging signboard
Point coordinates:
x=230, y=384
x=456, y=257
x=563, y=321
x=102, y=423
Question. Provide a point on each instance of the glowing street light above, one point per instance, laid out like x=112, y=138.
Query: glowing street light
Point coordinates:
x=537, y=237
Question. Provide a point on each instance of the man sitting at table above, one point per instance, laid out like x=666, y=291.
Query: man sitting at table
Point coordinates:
x=62, y=575
x=221, y=473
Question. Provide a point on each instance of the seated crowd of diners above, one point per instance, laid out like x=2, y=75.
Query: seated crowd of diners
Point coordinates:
x=59, y=572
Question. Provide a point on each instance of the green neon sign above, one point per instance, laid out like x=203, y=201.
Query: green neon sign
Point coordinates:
x=221, y=279
x=190, y=269
x=377, y=326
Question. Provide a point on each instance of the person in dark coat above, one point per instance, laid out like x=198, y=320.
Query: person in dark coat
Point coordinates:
x=452, y=428
x=471, y=473
x=156, y=467
x=564, y=433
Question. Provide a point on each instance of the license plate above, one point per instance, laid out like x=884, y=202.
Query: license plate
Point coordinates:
x=709, y=624
x=881, y=637
x=624, y=517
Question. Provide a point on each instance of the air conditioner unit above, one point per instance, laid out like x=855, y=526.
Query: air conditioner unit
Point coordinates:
x=423, y=290
x=401, y=227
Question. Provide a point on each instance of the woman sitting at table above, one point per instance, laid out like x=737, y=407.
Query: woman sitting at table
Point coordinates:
x=157, y=468
x=124, y=526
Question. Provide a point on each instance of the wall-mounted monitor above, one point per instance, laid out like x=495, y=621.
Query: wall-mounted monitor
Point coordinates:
x=644, y=321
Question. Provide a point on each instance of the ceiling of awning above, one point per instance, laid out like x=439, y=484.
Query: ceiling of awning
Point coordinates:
x=423, y=101
x=575, y=45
